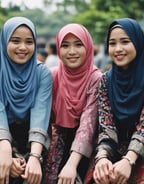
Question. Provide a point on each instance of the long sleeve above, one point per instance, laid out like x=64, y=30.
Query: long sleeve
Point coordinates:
x=108, y=130
x=106, y=120
x=137, y=140
x=4, y=129
x=83, y=142
x=40, y=113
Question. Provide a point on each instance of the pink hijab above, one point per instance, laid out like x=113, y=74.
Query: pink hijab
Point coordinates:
x=70, y=86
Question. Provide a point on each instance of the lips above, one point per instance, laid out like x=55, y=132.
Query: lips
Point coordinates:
x=120, y=57
x=73, y=59
x=21, y=55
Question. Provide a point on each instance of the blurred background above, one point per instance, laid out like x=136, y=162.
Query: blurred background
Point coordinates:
x=50, y=15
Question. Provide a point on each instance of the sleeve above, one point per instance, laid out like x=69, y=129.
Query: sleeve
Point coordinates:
x=107, y=128
x=137, y=140
x=4, y=128
x=40, y=113
x=83, y=142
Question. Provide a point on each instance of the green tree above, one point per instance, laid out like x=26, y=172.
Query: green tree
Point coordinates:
x=101, y=13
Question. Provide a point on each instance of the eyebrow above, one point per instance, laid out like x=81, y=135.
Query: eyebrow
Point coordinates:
x=121, y=38
x=74, y=41
x=20, y=37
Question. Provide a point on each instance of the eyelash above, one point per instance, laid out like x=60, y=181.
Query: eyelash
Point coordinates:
x=29, y=42
x=123, y=42
x=67, y=45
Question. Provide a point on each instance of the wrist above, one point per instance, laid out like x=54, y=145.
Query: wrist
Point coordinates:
x=130, y=160
x=38, y=156
x=99, y=158
x=100, y=155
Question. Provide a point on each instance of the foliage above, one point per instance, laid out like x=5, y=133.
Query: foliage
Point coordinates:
x=96, y=15
x=100, y=14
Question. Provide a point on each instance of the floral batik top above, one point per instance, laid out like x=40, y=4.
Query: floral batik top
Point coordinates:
x=115, y=133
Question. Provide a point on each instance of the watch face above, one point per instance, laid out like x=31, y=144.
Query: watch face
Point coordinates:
x=41, y=159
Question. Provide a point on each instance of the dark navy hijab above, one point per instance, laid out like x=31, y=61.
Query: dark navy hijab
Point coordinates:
x=18, y=82
x=126, y=87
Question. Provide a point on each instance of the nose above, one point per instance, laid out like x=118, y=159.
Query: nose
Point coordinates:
x=72, y=50
x=22, y=46
x=118, y=47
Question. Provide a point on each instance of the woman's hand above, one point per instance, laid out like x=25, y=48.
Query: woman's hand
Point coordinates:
x=121, y=171
x=33, y=172
x=102, y=170
x=5, y=161
x=69, y=172
x=67, y=175
x=17, y=167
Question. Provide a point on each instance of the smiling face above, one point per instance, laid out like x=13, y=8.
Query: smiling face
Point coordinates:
x=121, y=48
x=21, y=45
x=72, y=51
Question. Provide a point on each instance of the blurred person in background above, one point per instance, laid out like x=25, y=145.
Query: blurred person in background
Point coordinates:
x=42, y=54
x=52, y=58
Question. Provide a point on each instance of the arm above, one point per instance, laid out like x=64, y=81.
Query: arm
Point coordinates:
x=40, y=113
x=122, y=169
x=39, y=122
x=5, y=146
x=107, y=136
x=137, y=139
x=107, y=139
x=84, y=138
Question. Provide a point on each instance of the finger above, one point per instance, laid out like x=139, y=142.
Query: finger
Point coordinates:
x=104, y=177
x=60, y=181
x=7, y=179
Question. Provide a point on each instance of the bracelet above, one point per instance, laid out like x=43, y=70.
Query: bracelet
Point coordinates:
x=99, y=158
x=132, y=162
x=39, y=157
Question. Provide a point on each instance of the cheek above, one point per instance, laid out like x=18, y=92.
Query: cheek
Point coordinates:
x=133, y=52
x=9, y=49
x=110, y=51
x=84, y=53
x=32, y=49
x=62, y=53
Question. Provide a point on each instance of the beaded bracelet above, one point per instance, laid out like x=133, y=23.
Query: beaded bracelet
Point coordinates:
x=39, y=157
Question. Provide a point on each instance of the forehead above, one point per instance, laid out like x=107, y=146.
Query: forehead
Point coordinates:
x=117, y=33
x=23, y=29
x=70, y=36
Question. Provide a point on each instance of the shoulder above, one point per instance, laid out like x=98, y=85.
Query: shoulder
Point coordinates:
x=54, y=71
x=95, y=77
x=103, y=81
x=43, y=71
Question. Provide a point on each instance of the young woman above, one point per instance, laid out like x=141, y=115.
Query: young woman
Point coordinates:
x=74, y=111
x=120, y=151
x=25, y=104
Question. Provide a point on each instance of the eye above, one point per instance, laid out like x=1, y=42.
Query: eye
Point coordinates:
x=126, y=41
x=14, y=40
x=30, y=42
x=112, y=43
x=64, y=45
x=79, y=44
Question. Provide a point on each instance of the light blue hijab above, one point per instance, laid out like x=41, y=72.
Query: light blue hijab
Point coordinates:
x=18, y=82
